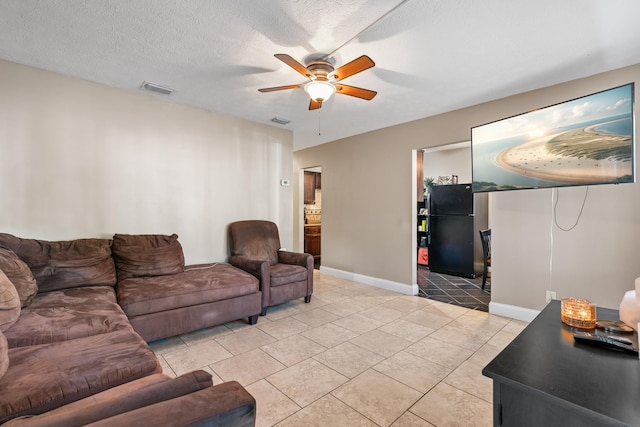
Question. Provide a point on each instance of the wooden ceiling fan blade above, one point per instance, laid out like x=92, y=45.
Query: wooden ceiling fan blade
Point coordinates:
x=294, y=64
x=272, y=89
x=354, y=67
x=356, y=91
x=314, y=105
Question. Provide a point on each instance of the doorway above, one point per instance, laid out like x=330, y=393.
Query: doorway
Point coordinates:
x=312, y=213
x=456, y=259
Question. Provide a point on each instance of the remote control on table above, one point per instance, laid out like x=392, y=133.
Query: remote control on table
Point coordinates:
x=612, y=342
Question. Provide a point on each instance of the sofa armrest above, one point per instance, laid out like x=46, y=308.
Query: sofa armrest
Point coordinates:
x=227, y=404
x=126, y=397
x=296, y=258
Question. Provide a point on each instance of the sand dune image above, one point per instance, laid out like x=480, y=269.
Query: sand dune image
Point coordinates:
x=579, y=156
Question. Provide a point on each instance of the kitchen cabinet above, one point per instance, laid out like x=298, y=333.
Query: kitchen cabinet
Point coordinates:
x=310, y=188
x=312, y=235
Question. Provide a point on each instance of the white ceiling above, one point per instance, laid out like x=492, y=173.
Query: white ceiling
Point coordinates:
x=431, y=56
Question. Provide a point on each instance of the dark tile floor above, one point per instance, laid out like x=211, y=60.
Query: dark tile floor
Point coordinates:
x=454, y=290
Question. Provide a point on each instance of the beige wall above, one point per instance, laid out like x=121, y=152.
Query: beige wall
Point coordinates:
x=80, y=159
x=368, y=210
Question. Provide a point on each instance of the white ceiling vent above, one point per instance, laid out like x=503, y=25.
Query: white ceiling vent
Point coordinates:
x=157, y=88
x=280, y=121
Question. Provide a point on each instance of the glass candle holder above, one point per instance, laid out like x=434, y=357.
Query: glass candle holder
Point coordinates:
x=578, y=313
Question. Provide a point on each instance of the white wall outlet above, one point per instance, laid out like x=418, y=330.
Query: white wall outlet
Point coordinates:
x=284, y=182
x=550, y=295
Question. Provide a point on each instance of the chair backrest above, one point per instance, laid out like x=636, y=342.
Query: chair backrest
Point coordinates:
x=255, y=239
x=485, y=237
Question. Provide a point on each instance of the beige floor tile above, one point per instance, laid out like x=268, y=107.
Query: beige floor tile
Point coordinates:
x=378, y=397
x=307, y=381
x=247, y=368
x=427, y=318
x=515, y=326
x=167, y=345
x=460, y=336
x=453, y=311
x=273, y=407
x=329, y=296
x=381, y=342
x=468, y=377
x=502, y=338
x=344, y=308
x=205, y=334
x=293, y=349
x=440, y=352
x=358, y=323
x=327, y=411
x=196, y=356
x=166, y=369
x=241, y=324
x=414, y=371
x=281, y=311
x=316, y=317
x=485, y=354
x=245, y=340
x=410, y=420
x=329, y=335
x=407, y=330
x=447, y=406
x=349, y=359
x=283, y=328
x=407, y=303
x=383, y=314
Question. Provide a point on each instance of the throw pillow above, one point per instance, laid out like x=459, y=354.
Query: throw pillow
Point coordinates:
x=4, y=354
x=9, y=303
x=19, y=274
x=138, y=255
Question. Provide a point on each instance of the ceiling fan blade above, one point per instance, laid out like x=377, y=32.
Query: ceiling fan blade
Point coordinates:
x=314, y=105
x=271, y=89
x=354, y=67
x=294, y=64
x=356, y=91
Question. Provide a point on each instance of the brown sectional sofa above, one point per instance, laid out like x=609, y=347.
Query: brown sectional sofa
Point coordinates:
x=74, y=320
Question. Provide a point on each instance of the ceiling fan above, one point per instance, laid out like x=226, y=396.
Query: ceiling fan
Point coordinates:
x=324, y=78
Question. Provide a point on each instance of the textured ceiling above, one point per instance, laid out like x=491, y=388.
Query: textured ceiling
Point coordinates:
x=431, y=56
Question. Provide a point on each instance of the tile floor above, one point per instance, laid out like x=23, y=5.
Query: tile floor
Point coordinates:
x=355, y=356
x=454, y=290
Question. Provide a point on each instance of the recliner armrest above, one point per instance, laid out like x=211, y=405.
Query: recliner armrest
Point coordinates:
x=295, y=258
x=255, y=267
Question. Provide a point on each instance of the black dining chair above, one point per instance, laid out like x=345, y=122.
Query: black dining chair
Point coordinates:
x=485, y=238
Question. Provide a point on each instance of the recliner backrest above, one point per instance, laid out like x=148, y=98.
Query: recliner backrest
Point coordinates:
x=255, y=239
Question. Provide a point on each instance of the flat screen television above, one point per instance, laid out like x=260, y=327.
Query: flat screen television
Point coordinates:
x=584, y=141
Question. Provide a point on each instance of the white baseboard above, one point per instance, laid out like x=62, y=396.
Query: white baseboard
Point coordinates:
x=512, y=311
x=372, y=281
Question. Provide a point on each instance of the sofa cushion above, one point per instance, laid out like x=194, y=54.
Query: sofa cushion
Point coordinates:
x=141, y=255
x=4, y=354
x=44, y=377
x=126, y=397
x=9, y=303
x=286, y=273
x=68, y=314
x=196, y=285
x=65, y=264
x=19, y=274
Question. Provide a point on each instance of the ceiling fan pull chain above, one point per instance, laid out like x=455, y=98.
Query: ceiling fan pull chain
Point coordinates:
x=319, y=133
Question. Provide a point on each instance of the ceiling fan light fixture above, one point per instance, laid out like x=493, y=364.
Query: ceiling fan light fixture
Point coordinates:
x=320, y=90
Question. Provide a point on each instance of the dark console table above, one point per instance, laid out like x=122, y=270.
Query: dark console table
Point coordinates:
x=544, y=378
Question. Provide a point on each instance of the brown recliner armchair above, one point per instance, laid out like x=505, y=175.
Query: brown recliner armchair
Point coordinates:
x=283, y=275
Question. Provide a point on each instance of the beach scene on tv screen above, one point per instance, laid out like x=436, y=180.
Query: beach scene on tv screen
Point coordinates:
x=584, y=141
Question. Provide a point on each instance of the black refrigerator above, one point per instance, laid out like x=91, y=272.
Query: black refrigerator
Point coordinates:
x=455, y=216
